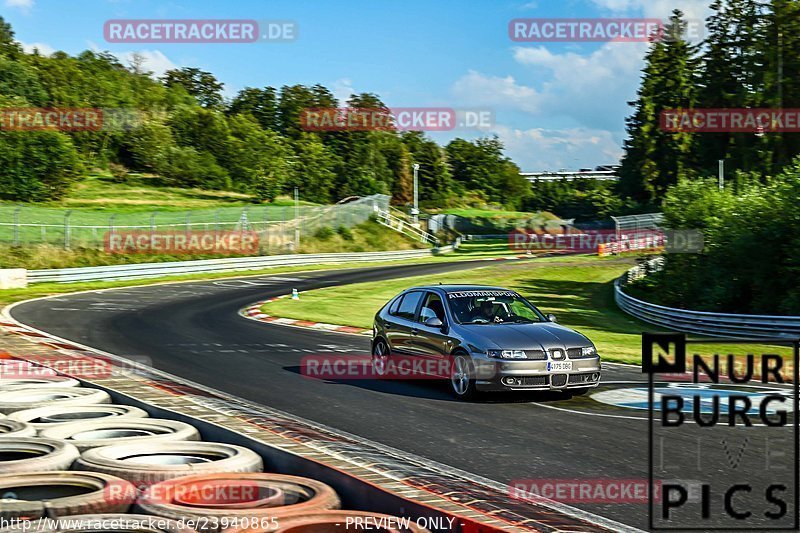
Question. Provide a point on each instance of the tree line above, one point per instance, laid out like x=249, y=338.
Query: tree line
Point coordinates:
x=750, y=58
x=187, y=133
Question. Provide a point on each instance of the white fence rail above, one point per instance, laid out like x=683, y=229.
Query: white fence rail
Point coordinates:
x=701, y=322
x=403, y=226
x=175, y=268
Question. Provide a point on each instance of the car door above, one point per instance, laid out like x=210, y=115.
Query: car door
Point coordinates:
x=431, y=343
x=401, y=322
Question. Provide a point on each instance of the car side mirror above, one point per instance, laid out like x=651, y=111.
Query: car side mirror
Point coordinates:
x=551, y=317
x=434, y=322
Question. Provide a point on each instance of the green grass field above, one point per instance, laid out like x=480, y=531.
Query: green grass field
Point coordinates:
x=578, y=290
x=140, y=201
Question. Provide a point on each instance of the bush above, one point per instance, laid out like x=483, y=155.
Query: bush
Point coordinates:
x=324, y=233
x=752, y=248
x=37, y=165
x=345, y=233
x=118, y=173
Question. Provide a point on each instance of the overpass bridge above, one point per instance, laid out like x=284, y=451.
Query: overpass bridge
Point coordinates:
x=570, y=175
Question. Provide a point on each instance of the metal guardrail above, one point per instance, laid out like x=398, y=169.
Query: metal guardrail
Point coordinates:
x=702, y=322
x=231, y=264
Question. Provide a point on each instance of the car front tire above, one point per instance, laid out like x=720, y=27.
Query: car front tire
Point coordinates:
x=462, y=377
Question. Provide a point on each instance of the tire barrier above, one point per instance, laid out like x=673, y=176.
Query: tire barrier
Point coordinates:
x=15, y=428
x=35, y=454
x=46, y=417
x=35, y=495
x=126, y=523
x=338, y=521
x=152, y=462
x=96, y=433
x=12, y=383
x=235, y=497
x=29, y=398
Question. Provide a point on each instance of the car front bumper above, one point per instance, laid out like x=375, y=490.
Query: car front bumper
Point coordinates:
x=493, y=375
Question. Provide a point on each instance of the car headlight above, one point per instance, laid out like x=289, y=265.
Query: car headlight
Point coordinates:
x=507, y=354
x=588, y=351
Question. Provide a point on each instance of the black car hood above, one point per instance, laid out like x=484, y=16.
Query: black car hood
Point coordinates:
x=541, y=335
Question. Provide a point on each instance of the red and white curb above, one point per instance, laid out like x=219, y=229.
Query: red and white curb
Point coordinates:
x=254, y=312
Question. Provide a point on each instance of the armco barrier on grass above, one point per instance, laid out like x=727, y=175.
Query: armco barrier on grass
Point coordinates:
x=702, y=322
x=228, y=264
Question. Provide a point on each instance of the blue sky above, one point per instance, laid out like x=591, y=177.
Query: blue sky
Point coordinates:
x=556, y=105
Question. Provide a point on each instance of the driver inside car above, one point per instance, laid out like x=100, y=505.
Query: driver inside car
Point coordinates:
x=486, y=312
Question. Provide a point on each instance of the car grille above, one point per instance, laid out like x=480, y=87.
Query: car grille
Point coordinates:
x=581, y=378
x=573, y=353
x=532, y=381
x=535, y=354
x=559, y=380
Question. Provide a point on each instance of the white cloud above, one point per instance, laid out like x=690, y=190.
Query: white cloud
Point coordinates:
x=43, y=48
x=476, y=88
x=152, y=60
x=592, y=90
x=342, y=89
x=696, y=11
x=544, y=149
x=24, y=5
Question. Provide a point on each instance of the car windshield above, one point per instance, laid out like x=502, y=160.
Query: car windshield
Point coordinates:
x=492, y=307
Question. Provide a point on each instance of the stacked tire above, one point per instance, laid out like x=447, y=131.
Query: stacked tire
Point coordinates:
x=67, y=451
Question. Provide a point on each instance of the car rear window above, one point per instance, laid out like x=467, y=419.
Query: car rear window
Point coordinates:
x=408, y=305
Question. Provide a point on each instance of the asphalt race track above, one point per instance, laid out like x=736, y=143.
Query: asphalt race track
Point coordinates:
x=193, y=330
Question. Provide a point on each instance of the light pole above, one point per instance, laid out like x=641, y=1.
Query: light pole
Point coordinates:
x=415, y=209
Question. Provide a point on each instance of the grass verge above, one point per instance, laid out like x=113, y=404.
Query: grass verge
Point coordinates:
x=578, y=290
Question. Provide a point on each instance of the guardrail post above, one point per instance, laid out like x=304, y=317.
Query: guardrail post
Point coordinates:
x=67, y=229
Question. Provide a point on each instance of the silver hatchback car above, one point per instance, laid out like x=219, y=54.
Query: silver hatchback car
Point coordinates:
x=483, y=339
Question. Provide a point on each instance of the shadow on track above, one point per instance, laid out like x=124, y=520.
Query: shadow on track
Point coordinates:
x=434, y=389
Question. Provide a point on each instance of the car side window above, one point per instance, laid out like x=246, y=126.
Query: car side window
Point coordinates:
x=408, y=306
x=432, y=307
x=393, y=307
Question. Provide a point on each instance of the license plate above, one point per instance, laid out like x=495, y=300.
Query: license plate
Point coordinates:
x=559, y=366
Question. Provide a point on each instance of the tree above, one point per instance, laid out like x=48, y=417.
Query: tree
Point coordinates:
x=434, y=177
x=732, y=76
x=654, y=158
x=261, y=104
x=481, y=166
x=313, y=169
x=37, y=165
x=253, y=154
x=293, y=100
x=202, y=85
